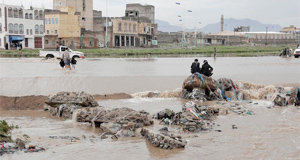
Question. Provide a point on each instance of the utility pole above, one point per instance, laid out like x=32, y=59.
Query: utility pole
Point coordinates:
x=266, y=35
x=195, y=37
x=106, y=27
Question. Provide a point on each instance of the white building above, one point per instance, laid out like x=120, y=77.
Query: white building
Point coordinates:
x=21, y=26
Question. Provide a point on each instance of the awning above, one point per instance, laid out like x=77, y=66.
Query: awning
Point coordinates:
x=16, y=38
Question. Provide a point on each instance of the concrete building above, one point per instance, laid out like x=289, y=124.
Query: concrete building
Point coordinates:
x=85, y=7
x=21, y=26
x=242, y=29
x=59, y=24
x=139, y=10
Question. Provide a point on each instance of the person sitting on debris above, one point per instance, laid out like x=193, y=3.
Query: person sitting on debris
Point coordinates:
x=195, y=67
x=206, y=69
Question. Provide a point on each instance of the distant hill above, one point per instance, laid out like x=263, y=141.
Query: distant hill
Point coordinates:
x=255, y=26
x=166, y=27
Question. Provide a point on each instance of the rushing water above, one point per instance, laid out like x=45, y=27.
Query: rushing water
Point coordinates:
x=268, y=134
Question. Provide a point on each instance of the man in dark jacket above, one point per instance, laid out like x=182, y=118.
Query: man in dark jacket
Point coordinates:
x=195, y=67
x=206, y=69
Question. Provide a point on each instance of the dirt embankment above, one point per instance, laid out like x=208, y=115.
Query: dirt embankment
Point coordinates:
x=22, y=103
x=38, y=102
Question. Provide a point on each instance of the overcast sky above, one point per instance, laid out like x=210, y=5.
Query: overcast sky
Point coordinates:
x=282, y=12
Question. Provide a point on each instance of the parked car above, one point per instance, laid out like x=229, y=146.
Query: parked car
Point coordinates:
x=297, y=52
x=59, y=52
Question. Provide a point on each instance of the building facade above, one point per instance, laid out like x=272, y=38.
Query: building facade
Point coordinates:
x=20, y=27
x=85, y=7
x=139, y=10
x=61, y=24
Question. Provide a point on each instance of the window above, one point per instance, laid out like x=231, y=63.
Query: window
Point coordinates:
x=21, y=13
x=49, y=20
x=27, y=31
x=0, y=12
x=16, y=13
x=46, y=41
x=31, y=32
x=120, y=27
x=144, y=29
x=41, y=15
x=83, y=18
x=30, y=16
x=53, y=21
x=134, y=27
x=83, y=5
x=46, y=21
x=36, y=29
x=41, y=29
x=21, y=27
x=55, y=31
x=10, y=13
x=47, y=31
x=56, y=19
x=130, y=27
x=149, y=29
x=16, y=30
x=0, y=27
x=125, y=27
x=36, y=14
x=26, y=15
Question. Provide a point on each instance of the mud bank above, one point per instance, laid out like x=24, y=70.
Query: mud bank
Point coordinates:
x=38, y=102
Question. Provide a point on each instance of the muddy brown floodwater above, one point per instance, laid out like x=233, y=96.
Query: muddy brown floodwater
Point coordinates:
x=268, y=134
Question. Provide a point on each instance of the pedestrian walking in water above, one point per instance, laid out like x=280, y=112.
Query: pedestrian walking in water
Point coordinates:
x=20, y=53
x=195, y=67
x=206, y=69
x=66, y=58
x=73, y=62
x=215, y=53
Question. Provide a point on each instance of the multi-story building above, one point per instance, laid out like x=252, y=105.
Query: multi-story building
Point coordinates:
x=85, y=7
x=60, y=24
x=21, y=27
x=139, y=10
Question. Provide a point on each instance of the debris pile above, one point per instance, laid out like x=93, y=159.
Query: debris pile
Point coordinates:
x=193, y=118
x=162, y=141
x=80, y=98
x=8, y=146
x=201, y=88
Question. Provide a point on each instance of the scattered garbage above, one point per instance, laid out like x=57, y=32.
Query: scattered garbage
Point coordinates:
x=162, y=141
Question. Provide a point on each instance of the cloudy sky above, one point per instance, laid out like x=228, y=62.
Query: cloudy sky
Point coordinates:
x=282, y=12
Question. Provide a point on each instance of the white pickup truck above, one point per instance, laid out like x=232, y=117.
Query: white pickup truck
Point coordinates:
x=58, y=54
x=297, y=52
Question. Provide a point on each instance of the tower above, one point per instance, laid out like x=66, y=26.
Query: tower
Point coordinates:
x=222, y=23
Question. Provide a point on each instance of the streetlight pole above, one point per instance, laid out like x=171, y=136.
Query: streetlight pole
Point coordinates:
x=266, y=35
x=106, y=27
x=195, y=35
x=227, y=33
x=274, y=35
x=183, y=30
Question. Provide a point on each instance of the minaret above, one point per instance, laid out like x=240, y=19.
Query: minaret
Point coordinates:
x=222, y=22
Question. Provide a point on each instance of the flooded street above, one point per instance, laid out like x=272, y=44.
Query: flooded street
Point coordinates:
x=106, y=76
x=271, y=133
